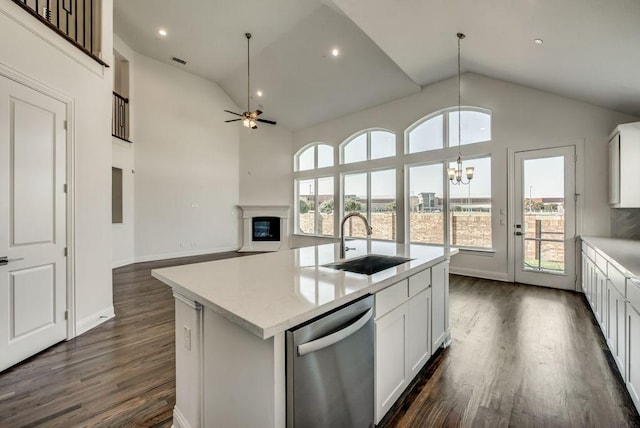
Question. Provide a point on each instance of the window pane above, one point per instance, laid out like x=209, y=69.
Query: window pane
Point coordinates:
x=325, y=155
x=470, y=207
x=383, y=144
x=543, y=209
x=356, y=149
x=306, y=159
x=426, y=216
x=427, y=135
x=476, y=127
x=306, y=206
x=325, y=203
x=355, y=199
x=383, y=204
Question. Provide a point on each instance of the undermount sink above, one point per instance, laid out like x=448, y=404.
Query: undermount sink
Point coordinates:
x=369, y=264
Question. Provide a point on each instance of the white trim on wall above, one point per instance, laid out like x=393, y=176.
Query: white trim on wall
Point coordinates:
x=94, y=320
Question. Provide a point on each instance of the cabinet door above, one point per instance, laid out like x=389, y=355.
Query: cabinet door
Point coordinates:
x=439, y=305
x=612, y=323
x=585, y=275
x=419, y=339
x=602, y=301
x=620, y=338
x=391, y=359
x=633, y=355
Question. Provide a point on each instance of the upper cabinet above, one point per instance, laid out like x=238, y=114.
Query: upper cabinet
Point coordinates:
x=624, y=158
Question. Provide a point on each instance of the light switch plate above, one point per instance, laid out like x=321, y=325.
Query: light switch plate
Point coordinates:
x=187, y=338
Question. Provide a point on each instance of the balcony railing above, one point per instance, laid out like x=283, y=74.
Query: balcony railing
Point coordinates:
x=77, y=21
x=120, y=117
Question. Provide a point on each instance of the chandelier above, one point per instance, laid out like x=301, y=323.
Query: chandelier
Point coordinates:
x=455, y=174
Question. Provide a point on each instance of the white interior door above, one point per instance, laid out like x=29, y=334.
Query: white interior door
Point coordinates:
x=33, y=284
x=545, y=224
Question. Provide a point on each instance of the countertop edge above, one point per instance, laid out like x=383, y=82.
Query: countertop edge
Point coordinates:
x=593, y=241
x=271, y=331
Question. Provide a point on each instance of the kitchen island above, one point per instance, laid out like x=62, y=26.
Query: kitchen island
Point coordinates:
x=231, y=318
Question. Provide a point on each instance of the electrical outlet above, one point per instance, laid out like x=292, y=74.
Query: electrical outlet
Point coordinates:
x=187, y=338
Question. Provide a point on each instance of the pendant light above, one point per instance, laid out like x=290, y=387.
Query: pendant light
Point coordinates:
x=455, y=174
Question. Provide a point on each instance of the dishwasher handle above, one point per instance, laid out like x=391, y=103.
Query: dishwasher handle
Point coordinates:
x=333, y=338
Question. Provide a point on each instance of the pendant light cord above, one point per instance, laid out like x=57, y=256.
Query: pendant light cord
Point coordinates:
x=248, y=35
x=460, y=37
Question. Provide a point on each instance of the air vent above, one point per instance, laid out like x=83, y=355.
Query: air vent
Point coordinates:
x=178, y=60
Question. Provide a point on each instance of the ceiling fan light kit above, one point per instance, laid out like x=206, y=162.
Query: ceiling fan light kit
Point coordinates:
x=249, y=118
x=455, y=174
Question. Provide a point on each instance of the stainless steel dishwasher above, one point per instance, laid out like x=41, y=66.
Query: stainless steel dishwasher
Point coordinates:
x=330, y=369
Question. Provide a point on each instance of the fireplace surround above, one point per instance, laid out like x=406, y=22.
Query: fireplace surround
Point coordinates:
x=265, y=227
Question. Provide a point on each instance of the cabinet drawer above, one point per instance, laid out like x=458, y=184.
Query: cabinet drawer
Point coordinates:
x=601, y=262
x=585, y=247
x=420, y=281
x=591, y=253
x=391, y=297
x=633, y=293
x=618, y=280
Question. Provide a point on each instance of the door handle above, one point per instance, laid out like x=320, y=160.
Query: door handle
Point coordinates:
x=5, y=260
x=518, y=233
x=331, y=339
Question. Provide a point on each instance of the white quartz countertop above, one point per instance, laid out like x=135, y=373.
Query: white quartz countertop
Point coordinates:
x=270, y=293
x=623, y=253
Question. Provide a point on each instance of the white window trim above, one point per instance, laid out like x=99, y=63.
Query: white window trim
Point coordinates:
x=316, y=211
x=296, y=157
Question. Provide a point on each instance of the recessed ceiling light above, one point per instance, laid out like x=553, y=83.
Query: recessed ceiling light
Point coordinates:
x=162, y=32
x=335, y=52
x=538, y=41
x=259, y=93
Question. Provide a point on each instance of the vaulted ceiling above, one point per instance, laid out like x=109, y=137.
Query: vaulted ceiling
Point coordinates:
x=389, y=49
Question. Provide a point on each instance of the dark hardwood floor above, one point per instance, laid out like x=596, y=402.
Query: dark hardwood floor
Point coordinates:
x=521, y=356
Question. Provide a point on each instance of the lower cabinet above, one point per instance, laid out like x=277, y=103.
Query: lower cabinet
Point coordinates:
x=633, y=366
x=391, y=374
x=407, y=320
x=615, y=333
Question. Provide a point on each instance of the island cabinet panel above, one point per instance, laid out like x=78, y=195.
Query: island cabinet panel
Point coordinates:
x=440, y=305
x=390, y=358
x=419, y=334
x=403, y=332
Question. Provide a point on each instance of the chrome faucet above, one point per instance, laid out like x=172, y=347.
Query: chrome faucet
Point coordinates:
x=344, y=220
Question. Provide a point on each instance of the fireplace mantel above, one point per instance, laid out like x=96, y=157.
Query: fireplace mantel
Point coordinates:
x=251, y=211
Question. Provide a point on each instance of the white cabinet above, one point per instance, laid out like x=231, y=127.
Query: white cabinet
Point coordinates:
x=390, y=358
x=624, y=157
x=633, y=356
x=616, y=310
x=405, y=315
x=440, y=305
x=419, y=334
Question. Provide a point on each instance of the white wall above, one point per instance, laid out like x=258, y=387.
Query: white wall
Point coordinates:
x=32, y=50
x=186, y=163
x=523, y=118
x=123, y=158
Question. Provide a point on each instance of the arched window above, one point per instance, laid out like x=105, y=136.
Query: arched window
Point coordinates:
x=368, y=145
x=440, y=129
x=313, y=156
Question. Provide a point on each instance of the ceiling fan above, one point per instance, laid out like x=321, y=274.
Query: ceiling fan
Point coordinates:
x=249, y=118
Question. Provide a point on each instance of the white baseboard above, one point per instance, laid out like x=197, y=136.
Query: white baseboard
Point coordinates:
x=484, y=274
x=123, y=262
x=179, y=421
x=94, y=320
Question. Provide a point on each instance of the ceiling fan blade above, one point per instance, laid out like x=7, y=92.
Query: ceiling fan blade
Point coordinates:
x=237, y=114
x=270, y=122
x=232, y=120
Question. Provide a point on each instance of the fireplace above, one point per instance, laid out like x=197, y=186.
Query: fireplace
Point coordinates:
x=265, y=227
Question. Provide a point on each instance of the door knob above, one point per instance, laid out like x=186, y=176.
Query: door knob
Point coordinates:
x=5, y=260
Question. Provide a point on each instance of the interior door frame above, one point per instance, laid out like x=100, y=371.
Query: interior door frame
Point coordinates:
x=578, y=144
x=69, y=103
